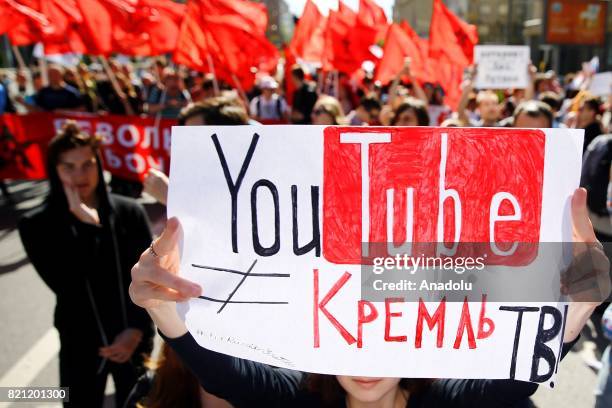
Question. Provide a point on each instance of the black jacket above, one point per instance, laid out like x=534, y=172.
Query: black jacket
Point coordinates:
x=88, y=266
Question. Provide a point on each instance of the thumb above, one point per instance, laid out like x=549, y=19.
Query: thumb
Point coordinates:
x=583, y=229
x=168, y=239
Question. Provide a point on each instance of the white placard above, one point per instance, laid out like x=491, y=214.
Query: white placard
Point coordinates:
x=502, y=66
x=601, y=84
x=273, y=218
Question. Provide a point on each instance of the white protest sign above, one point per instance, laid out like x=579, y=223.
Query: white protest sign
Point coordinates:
x=274, y=218
x=601, y=84
x=502, y=66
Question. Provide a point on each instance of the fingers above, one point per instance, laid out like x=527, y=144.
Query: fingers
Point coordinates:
x=157, y=173
x=114, y=353
x=145, y=294
x=71, y=196
x=168, y=240
x=171, y=281
x=582, y=227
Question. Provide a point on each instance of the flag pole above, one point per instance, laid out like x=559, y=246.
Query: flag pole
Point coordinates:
x=320, y=82
x=19, y=57
x=111, y=76
x=116, y=87
x=337, y=84
x=240, y=90
x=211, y=68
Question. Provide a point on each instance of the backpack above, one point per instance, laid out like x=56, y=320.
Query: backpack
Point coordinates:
x=278, y=107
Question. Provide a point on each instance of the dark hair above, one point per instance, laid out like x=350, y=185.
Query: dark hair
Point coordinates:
x=534, y=109
x=331, y=392
x=593, y=103
x=218, y=110
x=370, y=103
x=298, y=72
x=417, y=106
x=209, y=82
x=70, y=137
x=551, y=99
x=173, y=385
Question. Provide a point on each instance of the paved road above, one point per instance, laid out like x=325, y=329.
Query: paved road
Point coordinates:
x=29, y=344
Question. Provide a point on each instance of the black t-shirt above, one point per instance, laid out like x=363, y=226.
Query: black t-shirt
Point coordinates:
x=596, y=173
x=245, y=383
x=304, y=100
x=591, y=132
x=65, y=97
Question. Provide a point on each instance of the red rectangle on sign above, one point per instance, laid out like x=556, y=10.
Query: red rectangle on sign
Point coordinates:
x=489, y=180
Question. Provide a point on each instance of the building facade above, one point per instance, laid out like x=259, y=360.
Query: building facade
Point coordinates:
x=280, y=22
x=562, y=33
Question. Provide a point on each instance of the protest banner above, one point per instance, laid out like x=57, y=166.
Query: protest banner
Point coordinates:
x=601, y=84
x=502, y=66
x=277, y=224
x=130, y=144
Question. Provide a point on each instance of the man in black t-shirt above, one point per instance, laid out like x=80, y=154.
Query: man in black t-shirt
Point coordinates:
x=58, y=95
x=304, y=97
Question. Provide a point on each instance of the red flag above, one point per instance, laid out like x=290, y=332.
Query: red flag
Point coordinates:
x=22, y=22
x=254, y=15
x=449, y=75
x=65, y=16
x=338, y=53
x=398, y=46
x=159, y=22
x=422, y=43
x=289, y=85
x=221, y=32
x=308, y=40
x=450, y=35
x=451, y=46
x=372, y=15
x=106, y=25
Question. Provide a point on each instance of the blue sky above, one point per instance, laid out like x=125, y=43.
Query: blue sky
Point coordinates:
x=296, y=6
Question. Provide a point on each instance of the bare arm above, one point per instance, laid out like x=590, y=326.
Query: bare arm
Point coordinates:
x=530, y=90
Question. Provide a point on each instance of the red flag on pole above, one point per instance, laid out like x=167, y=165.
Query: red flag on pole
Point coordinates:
x=373, y=16
x=22, y=23
x=154, y=29
x=451, y=36
x=451, y=46
x=64, y=16
x=106, y=25
x=308, y=42
x=229, y=32
x=339, y=54
x=399, y=46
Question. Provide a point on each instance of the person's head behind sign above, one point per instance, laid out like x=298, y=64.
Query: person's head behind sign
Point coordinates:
x=335, y=389
x=220, y=110
x=533, y=114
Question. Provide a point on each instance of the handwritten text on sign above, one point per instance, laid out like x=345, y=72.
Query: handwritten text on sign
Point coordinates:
x=275, y=218
x=502, y=66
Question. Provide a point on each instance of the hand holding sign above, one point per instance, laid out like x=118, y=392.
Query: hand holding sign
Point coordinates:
x=154, y=278
x=588, y=277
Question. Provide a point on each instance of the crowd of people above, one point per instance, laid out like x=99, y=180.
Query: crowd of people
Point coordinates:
x=111, y=232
